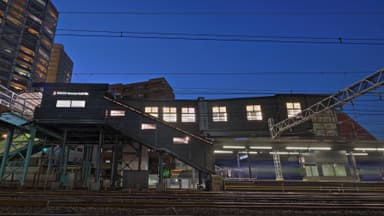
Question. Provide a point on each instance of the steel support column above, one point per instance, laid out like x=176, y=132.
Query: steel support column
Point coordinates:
x=49, y=166
x=99, y=156
x=114, y=162
x=62, y=156
x=277, y=165
x=139, y=151
x=86, y=170
x=249, y=165
x=200, y=177
x=84, y=164
x=6, y=152
x=160, y=167
x=31, y=142
x=356, y=172
x=65, y=162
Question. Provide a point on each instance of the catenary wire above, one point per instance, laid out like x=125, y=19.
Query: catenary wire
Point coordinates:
x=338, y=42
x=256, y=73
x=217, y=35
x=286, y=13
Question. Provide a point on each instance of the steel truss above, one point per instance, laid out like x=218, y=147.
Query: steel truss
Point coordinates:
x=345, y=95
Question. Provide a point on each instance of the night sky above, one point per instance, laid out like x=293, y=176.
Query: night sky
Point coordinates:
x=237, y=66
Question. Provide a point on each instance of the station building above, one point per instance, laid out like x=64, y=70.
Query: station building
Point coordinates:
x=127, y=141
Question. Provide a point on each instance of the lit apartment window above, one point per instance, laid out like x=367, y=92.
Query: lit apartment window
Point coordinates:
x=70, y=103
x=219, y=114
x=293, y=108
x=188, y=114
x=254, y=112
x=153, y=111
x=169, y=114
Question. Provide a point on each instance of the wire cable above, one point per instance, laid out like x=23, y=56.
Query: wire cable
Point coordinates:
x=336, y=42
x=178, y=13
x=216, y=35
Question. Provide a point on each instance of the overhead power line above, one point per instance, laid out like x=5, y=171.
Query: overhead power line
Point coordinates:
x=336, y=42
x=119, y=33
x=256, y=73
x=194, y=13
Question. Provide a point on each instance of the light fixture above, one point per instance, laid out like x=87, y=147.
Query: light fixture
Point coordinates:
x=222, y=152
x=296, y=148
x=260, y=147
x=250, y=152
x=357, y=153
x=233, y=147
x=320, y=148
x=284, y=153
x=365, y=149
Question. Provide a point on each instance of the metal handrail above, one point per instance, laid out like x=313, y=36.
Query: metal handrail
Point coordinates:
x=22, y=104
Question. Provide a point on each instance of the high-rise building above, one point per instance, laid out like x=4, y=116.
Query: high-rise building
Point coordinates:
x=154, y=89
x=27, y=30
x=61, y=65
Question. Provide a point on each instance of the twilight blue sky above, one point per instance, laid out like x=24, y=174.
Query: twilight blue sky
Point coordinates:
x=96, y=58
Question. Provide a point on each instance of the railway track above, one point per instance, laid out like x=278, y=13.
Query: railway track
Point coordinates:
x=223, y=200
x=189, y=204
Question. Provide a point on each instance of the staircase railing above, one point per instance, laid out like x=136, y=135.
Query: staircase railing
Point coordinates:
x=22, y=104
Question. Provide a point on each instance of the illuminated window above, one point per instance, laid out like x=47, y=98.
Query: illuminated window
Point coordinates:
x=169, y=114
x=219, y=114
x=22, y=72
x=41, y=2
x=188, y=114
x=70, y=103
x=181, y=140
x=254, y=112
x=293, y=108
x=145, y=126
x=33, y=31
x=340, y=170
x=77, y=103
x=44, y=54
x=334, y=170
x=63, y=103
x=117, y=112
x=13, y=20
x=311, y=170
x=153, y=111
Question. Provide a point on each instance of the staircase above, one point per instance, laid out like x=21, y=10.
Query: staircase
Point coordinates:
x=161, y=136
x=20, y=105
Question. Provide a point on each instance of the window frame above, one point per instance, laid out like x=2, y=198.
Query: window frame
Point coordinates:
x=70, y=104
x=293, y=108
x=63, y=103
x=188, y=116
x=219, y=114
x=150, y=110
x=169, y=114
x=254, y=112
